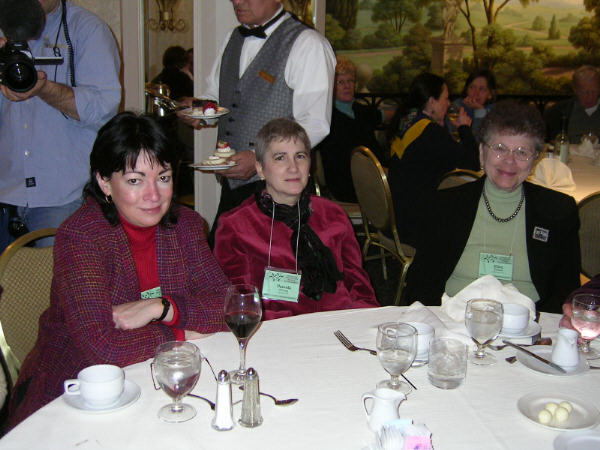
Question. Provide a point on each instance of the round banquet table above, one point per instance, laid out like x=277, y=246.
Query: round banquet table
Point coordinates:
x=586, y=176
x=300, y=357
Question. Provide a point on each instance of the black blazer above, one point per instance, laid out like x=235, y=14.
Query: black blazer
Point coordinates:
x=445, y=226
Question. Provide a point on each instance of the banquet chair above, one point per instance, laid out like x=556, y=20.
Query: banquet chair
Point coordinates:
x=457, y=177
x=25, y=277
x=589, y=234
x=375, y=200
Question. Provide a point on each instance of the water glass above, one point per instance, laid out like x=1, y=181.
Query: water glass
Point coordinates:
x=396, y=350
x=483, y=319
x=447, y=363
x=586, y=320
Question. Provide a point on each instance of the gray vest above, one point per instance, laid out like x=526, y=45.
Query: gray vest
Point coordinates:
x=261, y=94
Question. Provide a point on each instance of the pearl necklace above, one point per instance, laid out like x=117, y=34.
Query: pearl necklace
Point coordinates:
x=505, y=219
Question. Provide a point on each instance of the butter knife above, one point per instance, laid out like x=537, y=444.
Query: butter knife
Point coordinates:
x=533, y=355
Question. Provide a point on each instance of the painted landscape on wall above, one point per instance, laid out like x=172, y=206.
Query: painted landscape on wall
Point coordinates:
x=532, y=46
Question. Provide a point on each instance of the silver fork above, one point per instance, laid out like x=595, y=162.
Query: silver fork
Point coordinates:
x=349, y=345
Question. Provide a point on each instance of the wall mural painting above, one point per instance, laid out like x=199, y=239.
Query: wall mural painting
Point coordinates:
x=532, y=46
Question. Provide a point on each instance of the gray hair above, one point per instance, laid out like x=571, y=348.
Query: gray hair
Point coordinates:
x=278, y=130
x=512, y=117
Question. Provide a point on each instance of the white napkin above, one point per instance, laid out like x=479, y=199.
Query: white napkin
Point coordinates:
x=418, y=312
x=485, y=287
x=586, y=148
x=553, y=174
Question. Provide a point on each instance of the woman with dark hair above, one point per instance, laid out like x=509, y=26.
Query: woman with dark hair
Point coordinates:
x=424, y=150
x=299, y=250
x=175, y=60
x=131, y=269
x=500, y=225
x=478, y=96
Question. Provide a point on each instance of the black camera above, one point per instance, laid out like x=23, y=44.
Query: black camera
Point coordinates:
x=17, y=66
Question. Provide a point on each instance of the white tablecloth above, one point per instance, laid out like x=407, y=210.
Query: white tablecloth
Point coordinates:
x=300, y=357
x=586, y=176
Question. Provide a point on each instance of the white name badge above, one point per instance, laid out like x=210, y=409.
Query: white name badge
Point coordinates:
x=501, y=266
x=281, y=284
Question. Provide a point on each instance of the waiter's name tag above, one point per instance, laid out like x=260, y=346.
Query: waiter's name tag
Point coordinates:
x=280, y=284
x=501, y=266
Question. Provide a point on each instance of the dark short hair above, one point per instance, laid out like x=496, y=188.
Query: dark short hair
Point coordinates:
x=281, y=129
x=175, y=56
x=423, y=87
x=117, y=147
x=490, y=79
x=513, y=117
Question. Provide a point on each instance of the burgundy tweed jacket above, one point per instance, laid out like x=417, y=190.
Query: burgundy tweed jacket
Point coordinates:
x=93, y=271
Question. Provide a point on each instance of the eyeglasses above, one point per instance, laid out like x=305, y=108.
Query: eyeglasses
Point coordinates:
x=502, y=151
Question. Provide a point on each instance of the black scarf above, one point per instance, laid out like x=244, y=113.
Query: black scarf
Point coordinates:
x=319, y=271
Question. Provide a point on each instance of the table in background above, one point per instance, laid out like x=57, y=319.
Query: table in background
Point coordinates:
x=300, y=357
x=586, y=176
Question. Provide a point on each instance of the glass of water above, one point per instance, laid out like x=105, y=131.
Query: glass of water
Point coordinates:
x=447, y=363
x=177, y=369
x=483, y=319
x=396, y=350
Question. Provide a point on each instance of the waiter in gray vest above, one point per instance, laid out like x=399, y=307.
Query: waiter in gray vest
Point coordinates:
x=271, y=66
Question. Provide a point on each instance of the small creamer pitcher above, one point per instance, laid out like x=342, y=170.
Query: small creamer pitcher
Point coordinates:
x=565, y=352
x=381, y=407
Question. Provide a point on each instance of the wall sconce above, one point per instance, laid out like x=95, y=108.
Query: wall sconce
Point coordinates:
x=166, y=18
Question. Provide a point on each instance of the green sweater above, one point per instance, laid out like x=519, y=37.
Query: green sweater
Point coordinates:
x=490, y=236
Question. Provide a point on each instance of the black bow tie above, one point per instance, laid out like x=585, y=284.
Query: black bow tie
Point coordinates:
x=259, y=31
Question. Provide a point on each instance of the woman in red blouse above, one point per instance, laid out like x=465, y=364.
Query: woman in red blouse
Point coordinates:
x=299, y=250
x=131, y=269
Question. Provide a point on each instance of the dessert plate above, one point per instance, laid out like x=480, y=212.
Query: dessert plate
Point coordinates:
x=578, y=440
x=131, y=392
x=584, y=415
x=532, y=329
x=213, y=168
x=221, y=111
x=546, y=353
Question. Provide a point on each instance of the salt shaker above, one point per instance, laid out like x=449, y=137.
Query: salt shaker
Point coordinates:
x=223, y=419
x=251, y=416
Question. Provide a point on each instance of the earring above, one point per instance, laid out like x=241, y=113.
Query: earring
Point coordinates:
x=108, y=199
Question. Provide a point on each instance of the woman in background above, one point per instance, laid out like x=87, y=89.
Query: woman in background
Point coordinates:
x=478, y=96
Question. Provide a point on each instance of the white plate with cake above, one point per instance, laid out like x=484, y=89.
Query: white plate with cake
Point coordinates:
x=219, y=160
x=205, y=109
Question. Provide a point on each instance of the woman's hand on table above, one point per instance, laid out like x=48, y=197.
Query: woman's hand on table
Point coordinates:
x=132, y=315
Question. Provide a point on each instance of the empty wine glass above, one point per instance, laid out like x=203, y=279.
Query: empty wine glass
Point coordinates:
x=243, y=311
x=586, y=320
x=396, y=350
x=483, y=319
x=177, y=368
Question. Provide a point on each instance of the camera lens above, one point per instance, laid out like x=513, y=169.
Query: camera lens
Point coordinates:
x=20, y=76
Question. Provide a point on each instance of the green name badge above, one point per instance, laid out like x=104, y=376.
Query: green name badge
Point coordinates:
x=151, y=293
x=501, y=266
x=280, y=284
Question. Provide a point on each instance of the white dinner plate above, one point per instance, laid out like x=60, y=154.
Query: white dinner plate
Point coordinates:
x=578, y=440
x=546, y=352
x=131, y=392
x=213, y=168
x=532, y=329
x=221, y=111
x=584, y=415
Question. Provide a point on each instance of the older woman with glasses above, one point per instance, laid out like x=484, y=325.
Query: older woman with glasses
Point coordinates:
x=500, y=225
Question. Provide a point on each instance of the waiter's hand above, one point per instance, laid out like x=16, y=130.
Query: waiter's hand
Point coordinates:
x=246, y=166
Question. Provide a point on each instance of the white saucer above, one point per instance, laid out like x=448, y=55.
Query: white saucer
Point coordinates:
x=546, y=353
x=532, y=329
x=213, y=168
x=131, y=392
x=578, y=440
x=221, y=111
x=584, y=415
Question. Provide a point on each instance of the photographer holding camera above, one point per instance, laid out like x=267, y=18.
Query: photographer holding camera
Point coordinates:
x=49, y=119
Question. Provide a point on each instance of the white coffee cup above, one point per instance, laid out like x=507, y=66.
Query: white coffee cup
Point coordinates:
x=100, y=386
x=515, y=318
x=425, y=333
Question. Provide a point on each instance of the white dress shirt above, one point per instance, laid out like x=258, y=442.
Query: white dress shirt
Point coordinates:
x=309, y=72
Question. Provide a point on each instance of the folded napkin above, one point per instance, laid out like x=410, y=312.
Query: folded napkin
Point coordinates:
x=586, y=148
x=553, y=174
x=418, y=312
x=485, y=287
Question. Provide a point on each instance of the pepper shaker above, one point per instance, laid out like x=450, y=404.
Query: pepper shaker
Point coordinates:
x=223, y=419
x=251, y=416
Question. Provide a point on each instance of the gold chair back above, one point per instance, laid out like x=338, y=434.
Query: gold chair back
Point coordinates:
x=25, y=276
x=457, y=177
x=589, y=234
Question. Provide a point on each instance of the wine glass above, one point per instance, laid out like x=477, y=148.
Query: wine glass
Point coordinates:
x=586, y=320
x=483, y=319
x=243, y=311
x=177, y=367
x=452, y=114
x=396, y=350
